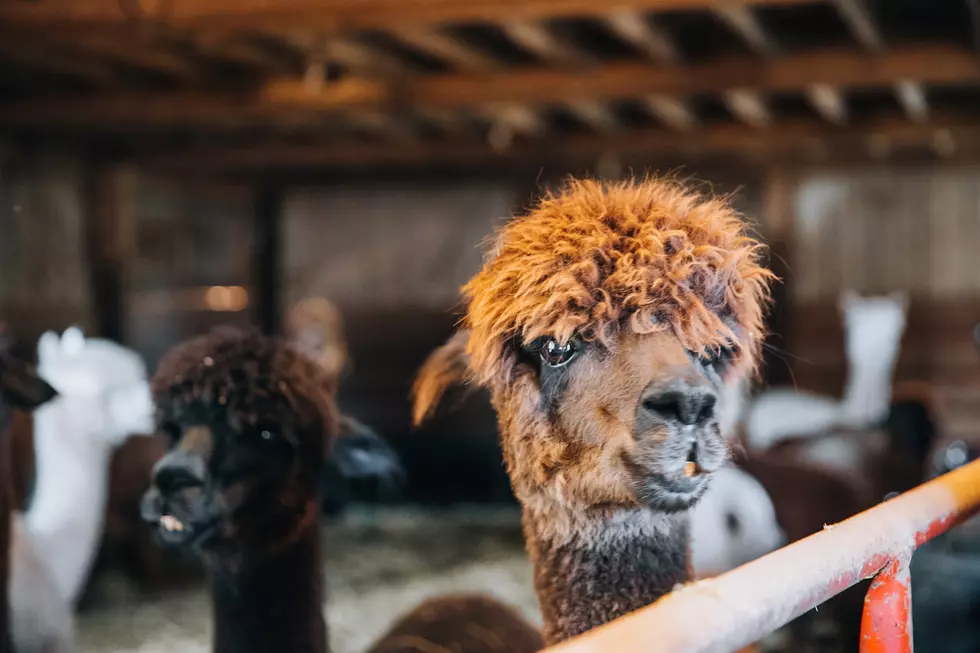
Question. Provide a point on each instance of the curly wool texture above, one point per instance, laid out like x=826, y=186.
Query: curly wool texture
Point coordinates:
x=598, y=257
x=245, y=376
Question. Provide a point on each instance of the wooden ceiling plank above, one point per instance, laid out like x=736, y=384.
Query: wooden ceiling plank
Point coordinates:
x=828, y=102
x=288, y=15
x=446, y=48
x=913, y=99
x=782, y=139
x=538, y=40
x=603, y=83
x=596, y=115
x=644, y=35
x=744, y=23
x=749, y=107
x=671, y=111
x=861, y=24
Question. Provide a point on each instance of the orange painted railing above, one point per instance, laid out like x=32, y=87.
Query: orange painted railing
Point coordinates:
x=736, y=609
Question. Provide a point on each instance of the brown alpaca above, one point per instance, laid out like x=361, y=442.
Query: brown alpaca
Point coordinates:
x=604, y=323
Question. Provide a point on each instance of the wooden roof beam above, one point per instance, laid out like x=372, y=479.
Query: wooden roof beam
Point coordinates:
x=744, y=23
x=538, y=40
x=784, y=139
x=912, y=97
x=828, y=102
x=859, y=21
x=446, y=48
x=645, y=36
x=672, y=112
x=602, y=83
x=635, y=29
x=298, y=15
x=747, y=106
x=601, y=118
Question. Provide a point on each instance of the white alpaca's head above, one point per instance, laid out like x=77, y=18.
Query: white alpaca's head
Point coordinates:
x=109, y=378
x=734, y=523
x=873, y=328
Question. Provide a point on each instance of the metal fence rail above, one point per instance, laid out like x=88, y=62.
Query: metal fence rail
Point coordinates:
x=734, y=610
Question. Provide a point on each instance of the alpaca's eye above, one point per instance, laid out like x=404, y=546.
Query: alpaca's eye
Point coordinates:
x=718, y=359
x=556, y=354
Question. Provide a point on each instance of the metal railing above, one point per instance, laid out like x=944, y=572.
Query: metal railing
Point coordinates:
x=738, y=608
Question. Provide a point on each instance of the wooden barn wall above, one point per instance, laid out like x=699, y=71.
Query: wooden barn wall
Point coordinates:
x=44, y=281
x=393, y=255
x=186, y=237
x=877, y=231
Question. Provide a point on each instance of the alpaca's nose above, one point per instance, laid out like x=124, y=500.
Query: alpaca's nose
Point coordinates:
x=682, y=403
x=177, y=471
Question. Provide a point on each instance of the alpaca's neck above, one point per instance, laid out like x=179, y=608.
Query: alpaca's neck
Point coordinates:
x=68, y=507
x=606, y=569
x=867, y=393
x=274, y=604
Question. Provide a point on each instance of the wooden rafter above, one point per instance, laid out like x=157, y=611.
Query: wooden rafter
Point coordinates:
x=828, y=102
x=909, y=93
x=912, y=97
x=785, y=139
x=744, y=103
x=748, y=106
x=601, y=83
x=297, y=15
x=743, y=22
x=594, y=114
x=860, y=23
x=670, y=111
x=446, y=48
x=644, y=35
x=538, y=39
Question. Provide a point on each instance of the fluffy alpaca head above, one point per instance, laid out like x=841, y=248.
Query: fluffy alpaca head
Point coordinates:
x=604, y=322
x=251, y=422
x=108, y=380
x=873, y=328
x=316, y=328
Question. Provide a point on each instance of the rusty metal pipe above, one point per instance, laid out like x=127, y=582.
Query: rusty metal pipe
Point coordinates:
x=735, y=609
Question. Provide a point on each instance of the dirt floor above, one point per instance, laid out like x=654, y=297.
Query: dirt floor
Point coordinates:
x=379, y=564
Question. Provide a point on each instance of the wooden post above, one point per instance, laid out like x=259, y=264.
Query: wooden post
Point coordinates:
x=110, y=230
x=778, y=228
x=266, y=267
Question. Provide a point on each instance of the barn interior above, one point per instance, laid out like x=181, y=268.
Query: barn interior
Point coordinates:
x=169, y=166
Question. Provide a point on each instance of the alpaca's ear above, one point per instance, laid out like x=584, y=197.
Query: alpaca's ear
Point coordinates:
x=48, y=345
x=847, y=299
x=359, y=452
x=72, y=340
x=445, y=366
x=21, y=387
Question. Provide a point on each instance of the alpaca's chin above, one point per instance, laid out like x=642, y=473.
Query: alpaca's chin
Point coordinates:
x=670, y=494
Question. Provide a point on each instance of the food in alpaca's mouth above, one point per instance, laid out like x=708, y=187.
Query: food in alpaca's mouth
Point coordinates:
x=171, y=523
x=690, y=468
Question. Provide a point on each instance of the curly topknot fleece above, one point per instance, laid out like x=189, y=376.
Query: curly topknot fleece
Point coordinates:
x=596, y=257
x=247, y=378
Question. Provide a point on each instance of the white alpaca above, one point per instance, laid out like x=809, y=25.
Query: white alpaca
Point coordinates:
x=733, y=523
x=873, y=328
x=103, y=398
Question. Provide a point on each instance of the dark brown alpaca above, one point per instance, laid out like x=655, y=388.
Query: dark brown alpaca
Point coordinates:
x=252, y=422
x=604, y=323
x=20, y=389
